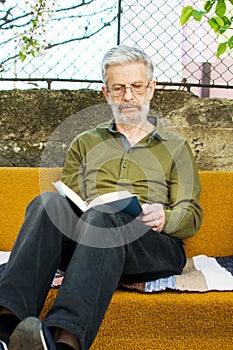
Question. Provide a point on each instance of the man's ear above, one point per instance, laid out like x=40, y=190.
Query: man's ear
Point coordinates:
x=105, y=92
x=152, y=88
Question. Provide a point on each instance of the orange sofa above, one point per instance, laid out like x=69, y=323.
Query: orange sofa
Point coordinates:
x=139, y=321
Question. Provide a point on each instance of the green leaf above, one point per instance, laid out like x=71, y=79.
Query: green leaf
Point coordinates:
x=223, y=29
x=213, y=24
x=231, y=1
x=22, y=56
x=220, y=9
x=25, y=39
x=198, y=14
x=219, y=21
x=227, y=20
x=208, y=5
x=230, y=42
x=221, y=49
x=186, y=14
x=227, y=24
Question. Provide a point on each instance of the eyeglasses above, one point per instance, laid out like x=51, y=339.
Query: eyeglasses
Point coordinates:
x=120, y=90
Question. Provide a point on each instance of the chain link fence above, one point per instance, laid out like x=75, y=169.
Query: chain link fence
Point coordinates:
x=78, y=33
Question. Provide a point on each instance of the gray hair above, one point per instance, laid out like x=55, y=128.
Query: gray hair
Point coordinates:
x=123, y=54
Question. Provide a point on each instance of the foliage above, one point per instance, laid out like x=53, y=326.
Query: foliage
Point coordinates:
x=26, y=27
x=32, y=41
x=219, y=22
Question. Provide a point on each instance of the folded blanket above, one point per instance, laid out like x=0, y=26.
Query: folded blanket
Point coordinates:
x=200, y=274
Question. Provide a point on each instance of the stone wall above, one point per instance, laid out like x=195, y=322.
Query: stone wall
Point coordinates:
x=40, y=124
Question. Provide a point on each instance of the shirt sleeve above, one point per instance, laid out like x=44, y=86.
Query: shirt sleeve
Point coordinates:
x=183, y=214
x=72, y=174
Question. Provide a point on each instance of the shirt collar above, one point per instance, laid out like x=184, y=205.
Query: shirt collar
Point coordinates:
x=159, y=132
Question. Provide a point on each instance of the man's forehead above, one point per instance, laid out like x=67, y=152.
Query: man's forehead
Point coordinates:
x=122, y=73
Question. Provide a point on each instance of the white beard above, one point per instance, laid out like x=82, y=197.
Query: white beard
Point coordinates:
x=132, y=118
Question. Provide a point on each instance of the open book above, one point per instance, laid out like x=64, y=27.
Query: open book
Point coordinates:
x=119, y=201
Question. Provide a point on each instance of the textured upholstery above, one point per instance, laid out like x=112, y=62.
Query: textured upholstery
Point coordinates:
x=134, y=321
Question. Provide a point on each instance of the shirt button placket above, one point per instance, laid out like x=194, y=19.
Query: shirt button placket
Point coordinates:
x=123, y=172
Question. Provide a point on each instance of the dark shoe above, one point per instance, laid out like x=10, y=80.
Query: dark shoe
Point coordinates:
x=3, y=345
x=31, y=334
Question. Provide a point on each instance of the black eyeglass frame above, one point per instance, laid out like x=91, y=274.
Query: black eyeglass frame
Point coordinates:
x=123, y=89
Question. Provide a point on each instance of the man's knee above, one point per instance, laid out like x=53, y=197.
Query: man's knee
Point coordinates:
x=55, y=209
x=42, y=200
x=100, y=229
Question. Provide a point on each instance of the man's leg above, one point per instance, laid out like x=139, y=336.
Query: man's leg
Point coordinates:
x=94, y=272
x=36, y=255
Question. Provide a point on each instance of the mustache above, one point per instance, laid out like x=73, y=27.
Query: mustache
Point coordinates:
x=123, y=105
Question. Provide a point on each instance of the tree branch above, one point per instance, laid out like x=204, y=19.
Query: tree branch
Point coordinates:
x=7, y=21
x=23, y=20
x=49, y=46
x=76, y=6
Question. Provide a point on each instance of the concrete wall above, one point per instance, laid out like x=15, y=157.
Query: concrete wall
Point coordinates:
x=37, y=126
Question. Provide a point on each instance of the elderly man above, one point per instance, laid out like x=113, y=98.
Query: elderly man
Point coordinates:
x=101, y=247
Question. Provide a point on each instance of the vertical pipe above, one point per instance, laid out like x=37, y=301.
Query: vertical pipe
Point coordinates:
x=206, y=69
x=119, y=22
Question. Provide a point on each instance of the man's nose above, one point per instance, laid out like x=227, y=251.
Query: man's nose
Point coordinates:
x=128, y=95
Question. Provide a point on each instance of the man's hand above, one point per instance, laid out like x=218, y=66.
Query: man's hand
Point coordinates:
x=153, y=216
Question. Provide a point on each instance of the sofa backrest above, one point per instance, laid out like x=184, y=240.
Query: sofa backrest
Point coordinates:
x=215, y=238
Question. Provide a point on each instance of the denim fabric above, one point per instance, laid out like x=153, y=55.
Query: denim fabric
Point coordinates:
x=97, y=251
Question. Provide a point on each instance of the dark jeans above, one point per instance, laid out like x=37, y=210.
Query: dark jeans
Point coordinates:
x=96, y=251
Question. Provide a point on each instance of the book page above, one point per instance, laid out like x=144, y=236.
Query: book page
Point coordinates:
x=110, y=197
x=120, y=200
x=63, y=189
x=4, y=257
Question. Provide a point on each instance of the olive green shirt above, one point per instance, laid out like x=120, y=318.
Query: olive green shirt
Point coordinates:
x=159, y=169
